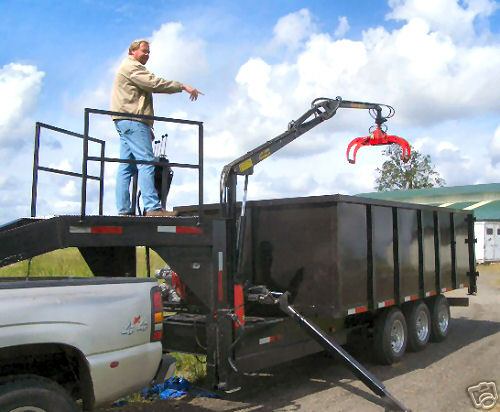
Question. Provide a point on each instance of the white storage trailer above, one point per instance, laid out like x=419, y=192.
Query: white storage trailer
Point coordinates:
x=488, y=241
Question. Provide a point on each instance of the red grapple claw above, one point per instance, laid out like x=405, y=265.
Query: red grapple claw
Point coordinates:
x=377, y=138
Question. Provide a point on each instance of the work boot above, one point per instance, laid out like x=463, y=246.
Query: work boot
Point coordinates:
x=161, y=213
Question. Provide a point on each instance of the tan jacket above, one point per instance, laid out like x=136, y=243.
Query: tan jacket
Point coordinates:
x=134, y=87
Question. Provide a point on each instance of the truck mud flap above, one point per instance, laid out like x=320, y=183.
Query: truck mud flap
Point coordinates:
x=375, y=385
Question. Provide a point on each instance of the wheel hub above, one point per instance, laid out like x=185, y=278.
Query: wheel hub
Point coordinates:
x=422, y=326
x=443, y=318
x=397, y=336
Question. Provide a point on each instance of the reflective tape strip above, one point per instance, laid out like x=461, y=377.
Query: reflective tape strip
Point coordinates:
x=106, y=230
x=183, y=230
x=167, y=229
x=97, y=230
x=358, y=309
x=79, y=229
x=221, y=260
x=410, y=298
x=220, y=287
x=239, y=306
x=386, y=303
x=430, y=293
x=269, y=339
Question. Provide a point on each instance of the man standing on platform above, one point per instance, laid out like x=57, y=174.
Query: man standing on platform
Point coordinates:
x=133, y=93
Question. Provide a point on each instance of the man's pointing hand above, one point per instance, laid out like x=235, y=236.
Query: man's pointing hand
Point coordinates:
x=193, y=93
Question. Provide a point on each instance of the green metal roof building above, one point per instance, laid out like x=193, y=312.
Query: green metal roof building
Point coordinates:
x=483, y=199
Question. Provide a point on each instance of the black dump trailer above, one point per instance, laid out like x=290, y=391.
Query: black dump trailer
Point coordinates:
x=289, y=277
x=345, y=263
x=255, y=284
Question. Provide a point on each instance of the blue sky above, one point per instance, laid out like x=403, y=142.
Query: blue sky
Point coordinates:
x=260, y=63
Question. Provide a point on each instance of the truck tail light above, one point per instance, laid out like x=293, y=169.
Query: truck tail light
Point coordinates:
x=156, y=314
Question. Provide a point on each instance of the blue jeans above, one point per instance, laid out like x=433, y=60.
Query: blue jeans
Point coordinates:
x=135, y=143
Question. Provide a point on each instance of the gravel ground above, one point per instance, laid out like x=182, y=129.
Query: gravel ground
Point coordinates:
x=435, y=379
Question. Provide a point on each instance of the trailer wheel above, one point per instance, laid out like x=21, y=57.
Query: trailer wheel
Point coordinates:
x=390, y=336
x=34, y=393
x=440, y=318
x=418, y=319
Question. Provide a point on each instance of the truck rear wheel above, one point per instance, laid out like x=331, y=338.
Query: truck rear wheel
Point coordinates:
x=418, y=320
x=34, y=393
x=390, y=336
x=440, y=318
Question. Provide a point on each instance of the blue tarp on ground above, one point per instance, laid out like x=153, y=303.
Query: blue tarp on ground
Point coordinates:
x=173, y=388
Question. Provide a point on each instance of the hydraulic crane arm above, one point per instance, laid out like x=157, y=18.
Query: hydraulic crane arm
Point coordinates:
x=321, y=109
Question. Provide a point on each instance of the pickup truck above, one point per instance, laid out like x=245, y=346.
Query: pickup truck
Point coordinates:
x=76, y=343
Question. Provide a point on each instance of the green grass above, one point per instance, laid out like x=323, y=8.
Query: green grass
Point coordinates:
x=69, y=262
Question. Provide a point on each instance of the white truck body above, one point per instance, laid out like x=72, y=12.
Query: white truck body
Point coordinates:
x=106, y=321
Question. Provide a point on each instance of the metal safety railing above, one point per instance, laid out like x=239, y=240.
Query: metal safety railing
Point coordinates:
x=37, y=168
x=102, y=159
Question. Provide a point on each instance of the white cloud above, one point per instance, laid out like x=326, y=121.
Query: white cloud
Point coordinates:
x=62, y=164
x=175, y=54
x=447, y=17
x=495, y=147
x=431, y=75
x=342, y=27
x=20, y=87
x=421, y=68
x=221, y=146
x=292, y=29
x=66, y=207
x=70, y=190
x=424, y=74
x=254, y=77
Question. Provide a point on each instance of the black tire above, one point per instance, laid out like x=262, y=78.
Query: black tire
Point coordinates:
x=390, y=336
x=418, y=321
x=37, y=392
x=440, y=318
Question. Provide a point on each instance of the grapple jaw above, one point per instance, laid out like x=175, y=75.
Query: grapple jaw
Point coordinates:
x=377, y=138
